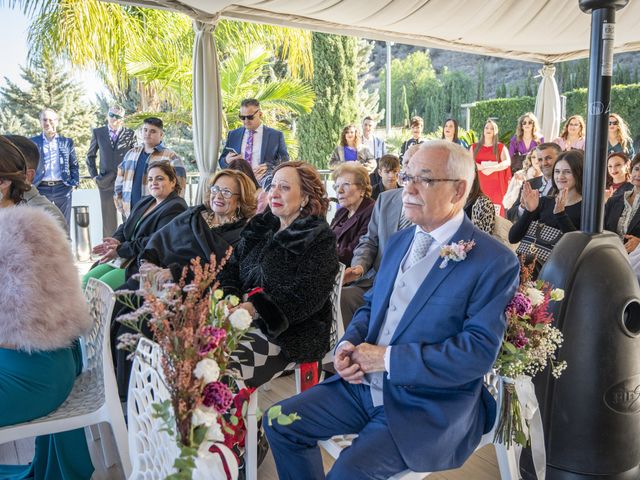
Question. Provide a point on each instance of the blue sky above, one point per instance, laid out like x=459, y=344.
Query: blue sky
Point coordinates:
x=14, y=29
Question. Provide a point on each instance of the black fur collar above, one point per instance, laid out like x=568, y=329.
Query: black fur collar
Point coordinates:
x=296, y=237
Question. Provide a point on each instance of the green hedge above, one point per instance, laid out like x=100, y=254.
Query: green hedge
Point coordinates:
x=625, y=101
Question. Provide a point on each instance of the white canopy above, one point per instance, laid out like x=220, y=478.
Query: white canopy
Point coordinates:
x=544, y=31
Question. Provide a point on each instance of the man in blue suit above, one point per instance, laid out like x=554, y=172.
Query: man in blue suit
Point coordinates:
x=411, y=363
x=58, y=172
x=261, y=146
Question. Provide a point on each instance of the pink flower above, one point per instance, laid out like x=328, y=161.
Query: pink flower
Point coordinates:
x=519, y=305
x=215, y=337
x=218, y=396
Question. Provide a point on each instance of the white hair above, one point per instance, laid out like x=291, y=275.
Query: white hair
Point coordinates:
x=460, y=163
x=42, y=112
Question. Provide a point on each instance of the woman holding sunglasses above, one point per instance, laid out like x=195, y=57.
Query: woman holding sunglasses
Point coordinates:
x=526, y=139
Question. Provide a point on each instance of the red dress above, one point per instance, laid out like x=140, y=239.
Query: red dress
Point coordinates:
x=495, y=185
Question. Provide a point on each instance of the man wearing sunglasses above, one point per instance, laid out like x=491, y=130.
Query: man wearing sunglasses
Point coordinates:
x=113, y=141
x=261, y=146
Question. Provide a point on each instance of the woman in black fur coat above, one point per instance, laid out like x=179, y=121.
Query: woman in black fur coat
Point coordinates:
x=285, y=266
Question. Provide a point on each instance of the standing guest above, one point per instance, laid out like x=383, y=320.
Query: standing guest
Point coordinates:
x=546, y=154
x=526, y=139
x=450, y=132
x=243, y=166
x=494, y=165
x=375, y=144
x=530, y=169
x=351, y=149
x=618, y=174
x=43, y=313
x=285, y=263
x=113, y=141
x=417, y=124
x=58, y=172
x=388, y=171
x=621, y=214
x=353, y=190
x=619, y=138
x=411, y=363
x=32, y=197
x=130, y=184
x=119, y=253
x=262, y=147
x=572, y=136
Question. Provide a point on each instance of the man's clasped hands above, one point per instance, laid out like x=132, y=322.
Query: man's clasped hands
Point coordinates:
x=353, y=362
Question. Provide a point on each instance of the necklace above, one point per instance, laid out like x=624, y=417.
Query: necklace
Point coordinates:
x=210, y=218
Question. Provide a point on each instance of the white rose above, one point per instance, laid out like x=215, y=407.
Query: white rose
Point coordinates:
x=205, y=416
x=208, y=370
x=214, y=433
x=240, y=319
x=535, y=295
x=557, y=294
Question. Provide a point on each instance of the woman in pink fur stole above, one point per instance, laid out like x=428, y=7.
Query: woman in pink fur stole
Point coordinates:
x=42, y=314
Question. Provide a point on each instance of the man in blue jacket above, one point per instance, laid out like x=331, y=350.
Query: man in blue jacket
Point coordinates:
x=261, y=146
x=58, y=172
x=411, y=363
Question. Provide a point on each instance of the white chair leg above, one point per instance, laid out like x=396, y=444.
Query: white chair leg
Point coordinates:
x=298, y=380
x=507, y=463
x=251, y=441
x=120, y=434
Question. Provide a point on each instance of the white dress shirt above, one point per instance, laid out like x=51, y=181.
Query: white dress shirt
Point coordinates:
x=257, y=145
x=51, y=159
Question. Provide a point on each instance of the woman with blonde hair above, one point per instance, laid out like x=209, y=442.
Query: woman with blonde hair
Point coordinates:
x=572, y=136
x=619, y=137
x=525, y=140
x=351, y=149
x=494, y=165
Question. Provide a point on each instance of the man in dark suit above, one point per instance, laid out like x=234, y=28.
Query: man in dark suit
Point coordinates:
x=58, y=172
x=113, y=141
x=411, y=364
x=547, y=154
x=261, y=146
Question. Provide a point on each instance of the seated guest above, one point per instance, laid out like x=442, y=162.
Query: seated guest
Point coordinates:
x=479, y=208
x=388, y=171
x=525, y=140
x=450, y=132
x=43, y=313
x=621, y=214
x=617, y=174
x=619, y=138
x=530, y=169
x=243, y=166
x=562, y=208
x=411, y=364
x=285, y=263
x=354, y=196
x=119, y=253
x=351, y=149
x=32, y=197
x=209, y=228
x=416, y=124
x=572, y=136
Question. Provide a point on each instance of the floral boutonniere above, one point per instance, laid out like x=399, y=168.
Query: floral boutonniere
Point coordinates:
x=455, y=251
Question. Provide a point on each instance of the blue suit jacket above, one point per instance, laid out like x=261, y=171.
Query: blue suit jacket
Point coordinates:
x=448, y=338
x=273, y=150
x=68, y=161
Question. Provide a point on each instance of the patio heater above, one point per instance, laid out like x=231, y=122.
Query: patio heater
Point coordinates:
x=591, y=414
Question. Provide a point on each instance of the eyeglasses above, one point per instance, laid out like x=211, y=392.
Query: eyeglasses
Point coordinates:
x=527, y=122
x=345, y=185
x=225, y=192
x=115, y=115
x=614, y=122
x=248, y=117
x=406, y=179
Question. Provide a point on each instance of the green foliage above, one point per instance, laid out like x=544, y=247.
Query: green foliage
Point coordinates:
x=367, y=102
x=48, y=86
x=334, y=84
x=505, y=112
x=405, y=108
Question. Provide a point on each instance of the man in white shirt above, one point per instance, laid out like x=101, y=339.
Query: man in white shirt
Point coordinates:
x=411, y=363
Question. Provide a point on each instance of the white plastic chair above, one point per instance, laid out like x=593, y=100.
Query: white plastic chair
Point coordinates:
x=153, y=450
x=94, y=397
x=507, y=462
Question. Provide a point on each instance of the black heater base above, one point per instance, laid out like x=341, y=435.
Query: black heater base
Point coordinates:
x=556, y=474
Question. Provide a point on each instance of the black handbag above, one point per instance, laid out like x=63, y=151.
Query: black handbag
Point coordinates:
x=539, y=241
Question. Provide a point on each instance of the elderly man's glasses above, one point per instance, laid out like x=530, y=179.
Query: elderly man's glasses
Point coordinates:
x=248, y=117
x=225, y=192
x=115, y=115
x=406, y=179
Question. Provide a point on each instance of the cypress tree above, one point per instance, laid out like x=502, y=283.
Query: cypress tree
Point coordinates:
x=334, y=83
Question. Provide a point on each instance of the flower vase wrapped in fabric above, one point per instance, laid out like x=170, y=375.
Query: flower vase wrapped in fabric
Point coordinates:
x=530, y=344
x=197, y=330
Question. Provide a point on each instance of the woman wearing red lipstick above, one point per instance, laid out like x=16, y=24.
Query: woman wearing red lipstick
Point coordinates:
x=285, y=266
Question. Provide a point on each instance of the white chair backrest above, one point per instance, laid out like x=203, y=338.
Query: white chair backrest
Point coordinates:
x=337, y=328
x=101, y=300
x=153, y=450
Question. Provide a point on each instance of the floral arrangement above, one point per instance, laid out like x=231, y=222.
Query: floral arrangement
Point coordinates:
x=197, y=328
x=529, y=345
x=455, y=251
